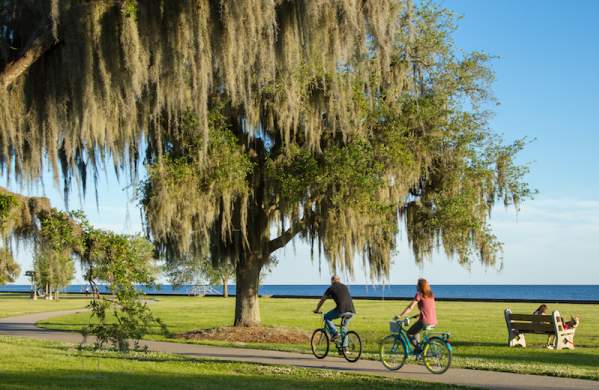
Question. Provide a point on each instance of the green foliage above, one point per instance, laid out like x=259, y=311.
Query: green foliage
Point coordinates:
x=7, y=203
x=186, y=192
x=9, y=268
x=58, y=239
x=121, y=262
x=8, y=208
x=59, y=232
x=53, y=269
x=217, y=274
x=129, y=8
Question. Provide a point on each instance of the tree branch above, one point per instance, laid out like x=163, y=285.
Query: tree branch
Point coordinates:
x=287, y=236
x=40, y=42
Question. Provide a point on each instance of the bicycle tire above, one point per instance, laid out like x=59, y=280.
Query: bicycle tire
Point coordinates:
x=392, y=348
x=351, y=346
x=319, y=341
x=436, y=348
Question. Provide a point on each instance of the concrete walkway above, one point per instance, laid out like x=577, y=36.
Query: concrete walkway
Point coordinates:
x=24, y=326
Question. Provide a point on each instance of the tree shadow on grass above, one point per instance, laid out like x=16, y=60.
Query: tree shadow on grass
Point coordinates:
x=45, y=325
x=528, y=356
x=100, y=379
x=476, y=344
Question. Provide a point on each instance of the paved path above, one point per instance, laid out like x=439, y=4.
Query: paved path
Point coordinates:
x=24, y=326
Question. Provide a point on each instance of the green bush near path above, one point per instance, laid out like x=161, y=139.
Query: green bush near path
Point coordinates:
x=29, y=364
x=478, y=330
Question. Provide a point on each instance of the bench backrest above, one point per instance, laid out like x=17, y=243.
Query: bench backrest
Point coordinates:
x=529, y=323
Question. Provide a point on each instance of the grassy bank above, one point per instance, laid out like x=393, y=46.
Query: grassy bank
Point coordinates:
x=478, y=330
x=28, y=364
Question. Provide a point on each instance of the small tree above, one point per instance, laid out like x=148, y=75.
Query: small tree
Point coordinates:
x=219, y=274
x=19, y=218
x=55, y=271
x=59, y=237
x=121, y=261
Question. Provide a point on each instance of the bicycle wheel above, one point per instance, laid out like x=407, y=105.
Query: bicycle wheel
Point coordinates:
x=351, y=346
x=436, y=356
x=393, y=354
x=320, y=343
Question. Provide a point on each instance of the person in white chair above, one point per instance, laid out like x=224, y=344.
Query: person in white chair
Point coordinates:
x=425, y=299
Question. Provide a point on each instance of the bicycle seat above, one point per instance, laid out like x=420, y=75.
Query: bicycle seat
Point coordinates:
x=346, y=315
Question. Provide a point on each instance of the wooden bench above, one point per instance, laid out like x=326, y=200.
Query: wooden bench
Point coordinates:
x=551, y=325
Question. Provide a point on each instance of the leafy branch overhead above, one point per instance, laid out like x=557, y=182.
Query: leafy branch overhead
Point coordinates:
x=336, y=123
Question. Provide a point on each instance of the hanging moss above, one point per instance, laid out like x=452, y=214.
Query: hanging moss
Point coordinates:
x=20, y=215
x=333, y=121
x=9, y=268
x=113, y=74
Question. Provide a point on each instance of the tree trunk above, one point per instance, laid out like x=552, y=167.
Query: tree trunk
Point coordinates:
x=34, y=284
x=247, y=310
x=225, y=287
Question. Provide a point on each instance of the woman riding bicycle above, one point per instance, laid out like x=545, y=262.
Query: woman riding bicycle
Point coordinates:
x=425, y=300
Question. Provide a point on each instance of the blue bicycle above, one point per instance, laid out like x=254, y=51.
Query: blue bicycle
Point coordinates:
x=435, y=348
x=348, y=343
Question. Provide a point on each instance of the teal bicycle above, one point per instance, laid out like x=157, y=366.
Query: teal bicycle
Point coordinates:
x=348, y=344
x=435, y=348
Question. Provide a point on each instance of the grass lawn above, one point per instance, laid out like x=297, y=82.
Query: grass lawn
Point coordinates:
x=28, y=364
x=478, y=330
x=20, y=304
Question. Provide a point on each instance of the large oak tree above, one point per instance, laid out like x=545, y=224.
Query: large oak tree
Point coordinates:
x=261, y=121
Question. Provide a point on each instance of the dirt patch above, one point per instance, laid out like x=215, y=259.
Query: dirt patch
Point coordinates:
x=257, y=334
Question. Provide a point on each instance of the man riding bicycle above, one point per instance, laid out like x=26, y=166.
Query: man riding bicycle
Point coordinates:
x=344, y=309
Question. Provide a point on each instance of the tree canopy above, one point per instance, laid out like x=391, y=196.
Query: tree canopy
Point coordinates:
x=333, y=121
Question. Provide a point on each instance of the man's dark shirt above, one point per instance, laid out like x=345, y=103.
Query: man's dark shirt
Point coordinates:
x=340, y=294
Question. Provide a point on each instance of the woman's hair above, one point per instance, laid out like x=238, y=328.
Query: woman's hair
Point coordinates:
x=541, y=309
x=424, y=288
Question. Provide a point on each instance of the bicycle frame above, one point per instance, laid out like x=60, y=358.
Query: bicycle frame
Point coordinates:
x=402, y=337
x=340, y=330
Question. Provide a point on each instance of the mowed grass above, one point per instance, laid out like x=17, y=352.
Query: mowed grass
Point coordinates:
x=20, y=304
x=478, y=330
x=29, y=364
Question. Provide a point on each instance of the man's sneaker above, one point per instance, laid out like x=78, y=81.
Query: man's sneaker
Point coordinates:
x=335, y=337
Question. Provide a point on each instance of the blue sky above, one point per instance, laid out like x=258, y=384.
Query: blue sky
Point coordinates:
x=548, y=88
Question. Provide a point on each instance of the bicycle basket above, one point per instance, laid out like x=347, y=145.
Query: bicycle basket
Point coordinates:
x=394, y=326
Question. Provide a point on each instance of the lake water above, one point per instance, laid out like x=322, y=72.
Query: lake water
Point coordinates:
x=532, y=292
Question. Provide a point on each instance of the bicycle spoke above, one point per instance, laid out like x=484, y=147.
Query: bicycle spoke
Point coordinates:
x=437, y=356
x=392, y=352
x=320, y=343
x=351, y=346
